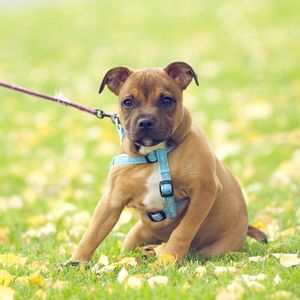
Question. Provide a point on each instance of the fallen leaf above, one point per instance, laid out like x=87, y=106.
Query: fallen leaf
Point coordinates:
x=289, y=260
x=40, y=294
x=120, y=244
x=200, y=271
x=227, y=149
x=186, y=286
x=36, y=220
x=164, y=260
x=4, y=231
x=67, y=248
x=286, y=233
x=257, y=109
x=63, y=236
x=56, y=284
x=134, y=282
x=43, y=231
x=5, y=277
x=82, y=218
x=76, y=231
x=6, y=293
x=257, y=258
x=221, y=270
x=123, y=275
x=257, y=286
x=288, y=170
x=31, y=280
x=268, y=225
x=182, y=269
x=105, y=269
x=11, y=259
x=258, y=277
x=36, y=266
x=103, y=260
x=123, y=262
x=157, y=280
x=13, y=201
x=277, y=279
x=276, y=255
x=233, y=291
x=127, y=261
x=281, y=294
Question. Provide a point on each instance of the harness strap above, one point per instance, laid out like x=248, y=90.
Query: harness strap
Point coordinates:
x=166, y=186
x=158, y=216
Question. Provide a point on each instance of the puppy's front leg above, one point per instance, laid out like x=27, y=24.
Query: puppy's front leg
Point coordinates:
x=105, y=217
x=202, y=199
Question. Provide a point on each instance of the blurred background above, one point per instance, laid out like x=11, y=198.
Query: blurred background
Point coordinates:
x=246, y=54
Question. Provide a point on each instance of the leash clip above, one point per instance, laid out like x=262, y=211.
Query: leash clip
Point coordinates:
x=101, y=115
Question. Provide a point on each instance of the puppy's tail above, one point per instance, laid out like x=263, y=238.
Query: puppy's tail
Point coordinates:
x=257, y=234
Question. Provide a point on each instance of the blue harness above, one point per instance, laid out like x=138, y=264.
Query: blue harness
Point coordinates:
x=165, y=185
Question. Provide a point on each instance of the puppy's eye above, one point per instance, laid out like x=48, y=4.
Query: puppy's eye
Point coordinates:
x=166, y=101
x=128, y=103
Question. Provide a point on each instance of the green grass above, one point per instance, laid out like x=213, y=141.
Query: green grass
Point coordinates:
x=247, y=56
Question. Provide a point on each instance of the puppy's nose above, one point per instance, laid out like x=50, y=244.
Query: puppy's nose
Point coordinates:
x=145, y=123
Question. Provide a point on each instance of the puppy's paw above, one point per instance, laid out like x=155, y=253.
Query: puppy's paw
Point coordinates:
x=82, y=265
x=71, y=263
x=149, y=250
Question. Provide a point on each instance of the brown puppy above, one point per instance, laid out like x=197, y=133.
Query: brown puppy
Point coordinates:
x=214, y=218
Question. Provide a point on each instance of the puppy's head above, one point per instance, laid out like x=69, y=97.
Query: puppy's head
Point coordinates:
x=150, y=100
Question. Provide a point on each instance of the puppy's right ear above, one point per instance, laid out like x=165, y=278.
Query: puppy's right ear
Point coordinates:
x=182, y=73
x=114, y=79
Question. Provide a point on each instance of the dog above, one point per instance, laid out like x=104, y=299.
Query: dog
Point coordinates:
x=212, y=219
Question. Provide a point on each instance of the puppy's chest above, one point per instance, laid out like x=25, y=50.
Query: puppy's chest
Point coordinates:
x=153, y=200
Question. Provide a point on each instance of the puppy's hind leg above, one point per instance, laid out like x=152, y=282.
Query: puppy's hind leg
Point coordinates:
x=137, y=236
x=231, y=242
x=219, y=247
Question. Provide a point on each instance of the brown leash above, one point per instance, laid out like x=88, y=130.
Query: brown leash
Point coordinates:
x=63, y=101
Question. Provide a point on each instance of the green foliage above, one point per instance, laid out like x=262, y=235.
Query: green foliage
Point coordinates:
x=54, y=161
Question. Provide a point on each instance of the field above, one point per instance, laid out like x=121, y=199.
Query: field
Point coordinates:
x=54, y=161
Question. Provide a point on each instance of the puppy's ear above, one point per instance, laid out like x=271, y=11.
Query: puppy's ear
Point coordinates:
x=114, y=79
x=182, y=73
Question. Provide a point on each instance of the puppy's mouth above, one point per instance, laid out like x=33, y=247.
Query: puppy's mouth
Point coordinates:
x=147, y=142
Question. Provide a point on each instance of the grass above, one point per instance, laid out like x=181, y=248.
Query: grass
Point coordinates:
x=54, y=161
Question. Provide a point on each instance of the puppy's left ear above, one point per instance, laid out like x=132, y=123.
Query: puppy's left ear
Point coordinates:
x=182, y=73
x=114, y=79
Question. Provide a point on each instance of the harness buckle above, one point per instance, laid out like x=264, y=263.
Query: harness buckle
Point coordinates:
x=166, y=188
x=151, y=157
x=157, y=216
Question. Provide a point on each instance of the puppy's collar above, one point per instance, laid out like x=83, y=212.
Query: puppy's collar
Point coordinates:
x=151, y=157
x=165, y=186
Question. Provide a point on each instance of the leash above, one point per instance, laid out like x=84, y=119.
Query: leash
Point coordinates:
x=66, y=102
